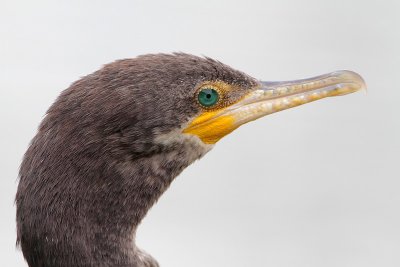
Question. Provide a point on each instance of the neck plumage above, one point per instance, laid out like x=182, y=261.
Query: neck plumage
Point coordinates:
x=84, y=211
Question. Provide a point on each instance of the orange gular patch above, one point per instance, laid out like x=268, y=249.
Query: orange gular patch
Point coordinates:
x=210, y=127
x=212, y=124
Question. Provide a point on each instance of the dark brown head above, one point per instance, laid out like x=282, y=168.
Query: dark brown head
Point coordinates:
x=112, y=143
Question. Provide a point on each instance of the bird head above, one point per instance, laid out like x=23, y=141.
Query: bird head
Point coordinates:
x=162, y=101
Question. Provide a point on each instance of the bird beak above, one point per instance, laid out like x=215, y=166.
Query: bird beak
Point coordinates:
x=271, y=97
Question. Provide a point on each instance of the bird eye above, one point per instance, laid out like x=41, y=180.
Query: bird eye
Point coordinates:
x=208, y=97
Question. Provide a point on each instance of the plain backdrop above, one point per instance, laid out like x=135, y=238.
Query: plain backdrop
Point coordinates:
x=313, y=186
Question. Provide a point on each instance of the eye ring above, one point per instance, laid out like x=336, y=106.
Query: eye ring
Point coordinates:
x=208, y=96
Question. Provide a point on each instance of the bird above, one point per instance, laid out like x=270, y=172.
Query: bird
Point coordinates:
x=113, y=141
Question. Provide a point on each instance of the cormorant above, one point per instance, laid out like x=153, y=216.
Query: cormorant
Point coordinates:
x=113, y=142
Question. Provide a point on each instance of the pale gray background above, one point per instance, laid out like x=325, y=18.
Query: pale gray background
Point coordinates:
x=313, y=186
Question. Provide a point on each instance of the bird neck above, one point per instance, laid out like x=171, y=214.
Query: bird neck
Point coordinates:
x=119, y=203
x=129, y=189
x=91, y=214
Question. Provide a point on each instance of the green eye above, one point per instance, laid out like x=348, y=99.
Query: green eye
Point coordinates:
x=208, y=97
